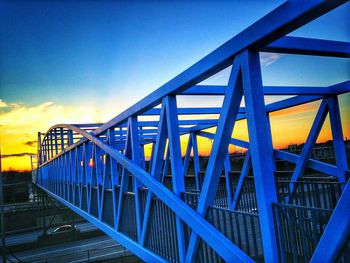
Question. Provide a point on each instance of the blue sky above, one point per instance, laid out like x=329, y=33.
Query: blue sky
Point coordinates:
x=87, y=61
x=90, y=52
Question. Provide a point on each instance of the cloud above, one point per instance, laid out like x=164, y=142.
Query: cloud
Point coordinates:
x=267, y=59
x=20, y=124
x=3, y=104
x=16, y=155
x=30, y=143
x=21, y=118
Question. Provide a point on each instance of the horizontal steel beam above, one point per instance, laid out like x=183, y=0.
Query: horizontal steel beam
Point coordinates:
x=274, y=90
x=189, y=111
x=233, y=141
x=308, y=46
x=313, y=164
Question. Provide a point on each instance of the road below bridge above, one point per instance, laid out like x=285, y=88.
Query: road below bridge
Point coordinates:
x=101, y=248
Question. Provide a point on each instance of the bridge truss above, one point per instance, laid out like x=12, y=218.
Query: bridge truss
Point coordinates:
x=100, y=170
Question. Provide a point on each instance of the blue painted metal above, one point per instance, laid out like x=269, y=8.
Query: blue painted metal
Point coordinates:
x=261, y=151
x=187, y=155
x=336, y=232
x=268, y=90
x=227, y=169
x=230, y=107
x=307, y=46
x=196, y=163
x=136, y=157
x=245, y=170
x=313, y=164
x=96, y=169
x=155, y=164
x=166, y=165
x=310, y=142
x=338, y=139
x=176, y=164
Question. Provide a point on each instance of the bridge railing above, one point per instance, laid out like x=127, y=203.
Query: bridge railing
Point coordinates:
x=310, y=193
x=318, y=192
x=300, y=229
x=243, y=229
x=162, y=235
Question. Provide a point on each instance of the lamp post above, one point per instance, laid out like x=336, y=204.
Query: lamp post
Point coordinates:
x=3, y=235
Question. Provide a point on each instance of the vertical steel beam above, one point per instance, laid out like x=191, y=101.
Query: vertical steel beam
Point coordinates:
x=62, y=139
x=151, y=158
x=196, y=159
x=136, y=158
x=83, y=171
x=39, y=151
x=51, y=144
x=99, y=159
x=114, y=176
x=2, y=216
x=338, y=139
x=70, y=176
x=261, y=151
x=106, y=182
x=70, y=137
x=142, y=152
x=89, y=152
x=74, y=173
x=56, y=141
x=64, y=175
x=92, y=182
x=270, y=135
x=176, y=165
x=187, y=156
x=227, y=165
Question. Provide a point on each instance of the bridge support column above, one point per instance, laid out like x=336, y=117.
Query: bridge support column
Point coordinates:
x=196, y=159
x=261, y=151
x=338, y=139
x=176, y=165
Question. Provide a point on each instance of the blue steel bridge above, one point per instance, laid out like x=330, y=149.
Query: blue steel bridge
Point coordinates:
x=162, y=212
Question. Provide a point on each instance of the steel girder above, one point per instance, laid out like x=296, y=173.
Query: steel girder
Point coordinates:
x=99, y=170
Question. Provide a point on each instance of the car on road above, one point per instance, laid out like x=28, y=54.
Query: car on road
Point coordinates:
x=64, y=229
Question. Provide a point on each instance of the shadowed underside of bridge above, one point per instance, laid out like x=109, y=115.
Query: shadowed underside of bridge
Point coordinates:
x=160, y=212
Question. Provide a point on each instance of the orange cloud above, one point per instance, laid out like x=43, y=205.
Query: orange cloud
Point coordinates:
x=21, y=123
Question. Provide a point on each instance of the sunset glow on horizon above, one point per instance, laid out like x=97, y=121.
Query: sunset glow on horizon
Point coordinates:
x=18, y=134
